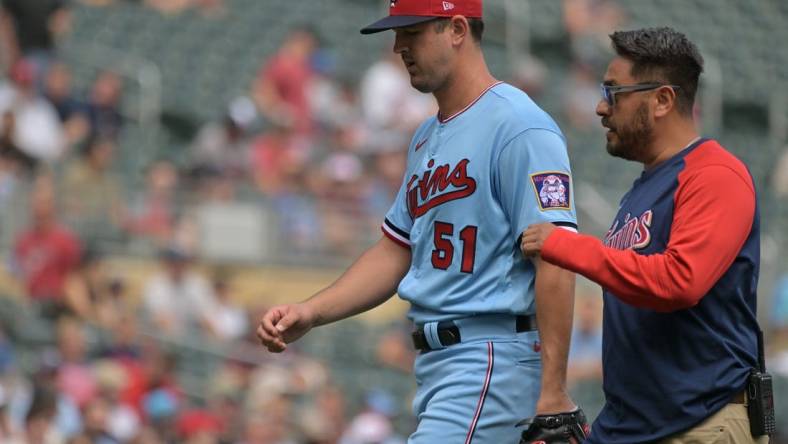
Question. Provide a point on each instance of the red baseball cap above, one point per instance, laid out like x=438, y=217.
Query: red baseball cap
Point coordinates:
x=411, y=12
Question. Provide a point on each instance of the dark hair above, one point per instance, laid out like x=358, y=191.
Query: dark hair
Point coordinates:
x=476, y=25
x=43, y=404
x=94, y=143
x=477, y=28
x=665, y=55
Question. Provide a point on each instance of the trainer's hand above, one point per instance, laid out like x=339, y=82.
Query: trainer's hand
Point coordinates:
x=534, y=237
x=551, y=402
x=284, y=324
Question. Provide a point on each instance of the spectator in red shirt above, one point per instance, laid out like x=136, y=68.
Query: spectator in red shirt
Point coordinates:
x=46, y=253
x=153, y=215
x=275, y=158
x=282, y=87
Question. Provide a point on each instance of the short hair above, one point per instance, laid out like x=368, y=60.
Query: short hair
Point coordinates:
x=476, y=25
x=477, y=28
x=662, y=54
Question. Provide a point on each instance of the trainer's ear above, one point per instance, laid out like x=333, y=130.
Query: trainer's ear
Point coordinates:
x=665, y=97
x=460, y=29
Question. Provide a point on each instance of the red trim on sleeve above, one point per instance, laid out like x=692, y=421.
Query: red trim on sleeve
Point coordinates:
x=395, y=239
x=712, y=218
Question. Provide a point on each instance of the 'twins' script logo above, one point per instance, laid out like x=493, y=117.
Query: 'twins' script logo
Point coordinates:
x=438, y=186
x=633, y=234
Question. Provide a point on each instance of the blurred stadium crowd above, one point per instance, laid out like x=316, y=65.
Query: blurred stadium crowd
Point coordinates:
x=295, y=166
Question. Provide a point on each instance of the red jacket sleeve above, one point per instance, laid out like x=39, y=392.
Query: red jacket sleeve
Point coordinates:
x=713, y=215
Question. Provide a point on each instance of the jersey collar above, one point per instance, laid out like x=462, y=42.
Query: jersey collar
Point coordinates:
x=467, y=107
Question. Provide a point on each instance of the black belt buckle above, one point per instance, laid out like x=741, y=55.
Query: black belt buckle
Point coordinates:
x=448, y=334
x=525, y=323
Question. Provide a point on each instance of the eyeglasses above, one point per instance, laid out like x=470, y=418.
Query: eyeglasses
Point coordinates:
x=609, y=91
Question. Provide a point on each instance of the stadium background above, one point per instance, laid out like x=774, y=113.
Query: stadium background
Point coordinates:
x=171, y=150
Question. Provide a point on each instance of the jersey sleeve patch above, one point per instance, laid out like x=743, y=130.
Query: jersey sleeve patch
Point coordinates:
x=552, y=190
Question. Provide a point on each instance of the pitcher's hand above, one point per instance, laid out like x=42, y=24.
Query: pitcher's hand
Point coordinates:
x=284, y=324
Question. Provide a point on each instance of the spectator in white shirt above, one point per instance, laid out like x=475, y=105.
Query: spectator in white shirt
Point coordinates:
x=178, y=300
x=37, y=130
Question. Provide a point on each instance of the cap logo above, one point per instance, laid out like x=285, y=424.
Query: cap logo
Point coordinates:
x=448, y=6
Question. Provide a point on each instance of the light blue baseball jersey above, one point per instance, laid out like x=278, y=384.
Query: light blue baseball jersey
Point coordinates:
x=474, y=181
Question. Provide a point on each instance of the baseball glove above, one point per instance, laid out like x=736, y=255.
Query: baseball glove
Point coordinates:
x=559, y=428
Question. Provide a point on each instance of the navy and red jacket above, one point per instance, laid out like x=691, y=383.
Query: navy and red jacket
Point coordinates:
x=679, y=269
